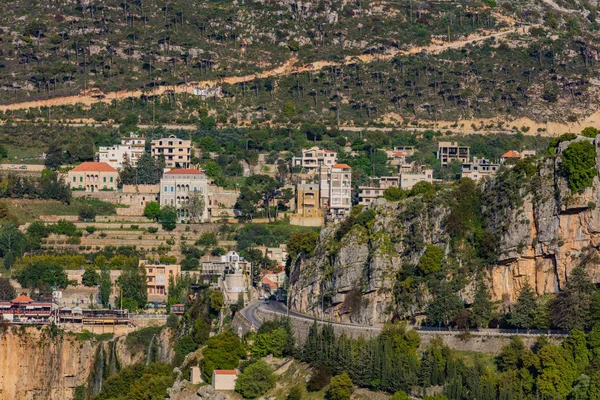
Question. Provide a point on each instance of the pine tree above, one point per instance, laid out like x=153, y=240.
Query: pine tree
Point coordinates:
x=481, y=311
x=571, y=309
x=523, y=313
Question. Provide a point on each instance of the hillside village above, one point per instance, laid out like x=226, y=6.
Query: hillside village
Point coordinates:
x=162, y=197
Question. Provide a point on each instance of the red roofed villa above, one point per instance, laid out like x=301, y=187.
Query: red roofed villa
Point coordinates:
x=93, y=177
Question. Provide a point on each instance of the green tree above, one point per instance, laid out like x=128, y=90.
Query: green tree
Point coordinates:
x=37, y=273
x=54, y=156
x=105, y=285
x=482, y=308
x=340, y=388
x=87, y=213
x=7, y=291
x=12, y=243
x=289, y=110
x=431, y=260
x=302, y=243
x=444, y=307
x=570, y=309
x=579, y=165
x=168, y=217
x=394, y=194
x=558, y=372
x=256, y=380
x=90, y=277
x=132, y=284
x=216, y=300
x=152, y=210
x=523, y=313
x=223, y=351
x=595, y=308
x=273, y=342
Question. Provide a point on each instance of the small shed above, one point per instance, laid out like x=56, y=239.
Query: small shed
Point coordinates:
x=224, y=379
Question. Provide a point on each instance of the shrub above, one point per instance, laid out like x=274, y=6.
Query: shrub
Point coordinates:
x=90, y=229
x=431, y=260
x=152, y=210
x=207, y=239
x=341, y=387
x=394, y=194
x=152, y=229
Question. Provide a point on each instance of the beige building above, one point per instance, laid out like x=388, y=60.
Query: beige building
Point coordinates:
x=410, y=179
x=450, y=151
x=313, y=158
x=224, y=379
x=130, y=149
x=367, y=194
x=157, y=279
x=178, y=185
x=177, y=152
x=479, y=169
x=93, y=177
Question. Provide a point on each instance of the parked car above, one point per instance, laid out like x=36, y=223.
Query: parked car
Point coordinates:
x=23, y=167
x=12, y=167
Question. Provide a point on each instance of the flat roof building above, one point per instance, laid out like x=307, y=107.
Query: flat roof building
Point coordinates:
x=177, y=152
x=450, y=151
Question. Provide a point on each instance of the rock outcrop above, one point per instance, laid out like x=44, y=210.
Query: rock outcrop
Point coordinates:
x=540, y=229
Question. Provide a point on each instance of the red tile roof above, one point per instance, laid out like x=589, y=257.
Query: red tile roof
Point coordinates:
x=23, y=299
x=344, y=166
x=184, y=171
x=511, y=154
x=267, y=281
x=399, y=154
x=225, y=372
x=90, y=166
x=329, y=151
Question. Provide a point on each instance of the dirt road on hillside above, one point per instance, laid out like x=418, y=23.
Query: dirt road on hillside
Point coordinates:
x=289, y=67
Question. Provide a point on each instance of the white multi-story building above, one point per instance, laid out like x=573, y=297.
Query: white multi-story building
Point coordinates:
x=177, y=152
x=178, y=185
x=336, y=190
x=130, y=149
x=313, y=158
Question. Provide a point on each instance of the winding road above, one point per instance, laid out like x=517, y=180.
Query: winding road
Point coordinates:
x=275, y=307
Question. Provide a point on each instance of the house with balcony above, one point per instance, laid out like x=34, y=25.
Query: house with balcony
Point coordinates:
x=177, y=152
x=479, y=169
x=157, y=279
x=313, y=158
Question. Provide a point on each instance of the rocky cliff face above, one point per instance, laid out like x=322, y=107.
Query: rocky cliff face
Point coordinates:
x=36, y=365
x=539, y=228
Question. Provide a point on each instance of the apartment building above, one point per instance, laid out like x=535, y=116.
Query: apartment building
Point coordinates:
x=176, y=187
x=450, y=151
x=177, y=152
x=313, y=158
x=336, y=191
x=157, y=278
x=479, y=169
x=410, y=179
x=93, y=177
x=130, y=149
